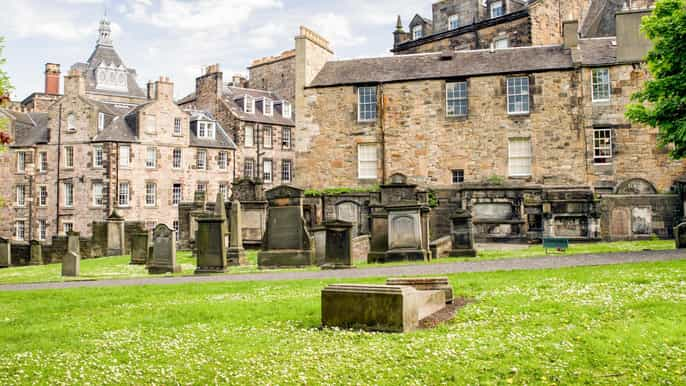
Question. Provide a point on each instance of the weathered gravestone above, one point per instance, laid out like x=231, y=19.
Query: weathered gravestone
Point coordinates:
x=378, y=307
x=164, y=251
x=36, y=252
x=71, y=262
x=139, y=248
x=254, y=210
x=220, y=212
x=680, y=235
x=287, y=242
x=236, y=253
x=462, y=234
x=210, y=245
x=116, y=244
x=407, y=232
x=338, y=245
x=5, y=253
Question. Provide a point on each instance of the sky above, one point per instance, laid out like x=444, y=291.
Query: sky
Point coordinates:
x=176, y=38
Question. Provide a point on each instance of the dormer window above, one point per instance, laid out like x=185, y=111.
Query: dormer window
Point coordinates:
x=267, y=107
x=497, y=9
x=417, y=32
x=71, y=122
x=286, y=109
x=206, y=129
x=101, y=121
x=453, y=22
x=249, y=104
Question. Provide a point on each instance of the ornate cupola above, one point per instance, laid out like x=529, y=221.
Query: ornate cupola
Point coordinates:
x=105, y=33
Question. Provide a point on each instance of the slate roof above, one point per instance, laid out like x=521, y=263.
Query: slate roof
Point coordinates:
x=222, y=139
x=435, y=66
x=599, y=19
x=108, y=55
x=119, y=130
x=596, y=52
x=29, y=128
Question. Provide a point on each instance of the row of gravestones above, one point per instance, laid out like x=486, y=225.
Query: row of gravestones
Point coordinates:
x=71, y=261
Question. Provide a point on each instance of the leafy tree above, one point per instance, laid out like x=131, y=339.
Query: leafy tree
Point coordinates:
x=5, y=88
x=662, y=102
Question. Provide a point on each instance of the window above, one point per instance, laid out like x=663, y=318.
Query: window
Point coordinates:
x=249, y=136
x=176, y=159
x=71, y=122
x=249, y=104
x=20, y=229
x=458, y=176
x=21, y=162
x=417, y=32
x=600, y=82
x=201, y=163
x=267, y=132
x=453, y=22
x=150, y=124
x=124, y=194
x=43, y=162
x=267, y=107
x=366, y=161
x=101, y=121
x=68, y=157
x=97, y=194
x=518, y=95
x=21, y=195
x=201, y=187
x=43, y=196
x=124, y=156
x=67, y=227
x=150, y=194
x=520, y=157
x=205, y=129
x=42, y=230
x=456, y=99
x=286, y=170
x=151, y=158
x=497, y=9
x=224, y=191
x=177, y=126
x=249, y=168
x=177, y=194
x=222, y=160
x=366, y=104
x=286, y=110
x=97, y=156
x=68, y=194
x=602, y=145
x=267, y=171
x=286, y=137
x=501, y=43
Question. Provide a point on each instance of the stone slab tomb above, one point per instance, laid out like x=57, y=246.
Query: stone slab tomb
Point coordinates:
x=210, y=245
x=140, y=248
x=287, y=242
x=378, y=307
x=5, y=253
x=71, y=262
x=164, y=251
x=338, y=245
x=425, y=284
x=236, y=253
x=462, y=234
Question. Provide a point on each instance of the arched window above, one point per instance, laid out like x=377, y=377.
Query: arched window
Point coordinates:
x=71, y=122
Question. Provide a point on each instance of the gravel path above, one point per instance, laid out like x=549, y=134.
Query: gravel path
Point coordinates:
x=548, y=262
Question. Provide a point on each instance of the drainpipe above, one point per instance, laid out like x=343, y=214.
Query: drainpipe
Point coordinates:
x=383, y=132
x=59, y=163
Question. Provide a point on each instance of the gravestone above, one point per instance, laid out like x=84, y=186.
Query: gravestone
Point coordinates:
x=210, y=245
x=407, y=233
x=236, y=253
x=116, y=244
x=140, y=246
x=71, y=262
x=349, y=211
x=379, y=238
x=636, y=186
x=338, y=246
x=680, y=235
x=36, y=253
x=220, y=212
x=5, y=253
x=642, y=221
x=462, y=234
x=254, y=210
x=164, y=251
x=287, y=242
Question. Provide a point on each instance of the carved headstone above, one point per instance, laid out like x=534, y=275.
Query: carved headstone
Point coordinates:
x=210, y=245
x=139, y=248
x=236, y=253
x=338, y=247
x=116, y=245
x=36, y=252
x=407, y=233
x=5, y=253
x=164, y=251
x=71, y=262
x=349, y=211
x=462, y=234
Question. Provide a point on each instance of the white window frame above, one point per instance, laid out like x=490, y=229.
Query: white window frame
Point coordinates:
x=367, y=155
x=286, y=110
x=223, y=189
x=201, y=162
x=150, y=157
x=367, y=109
x=457, y=176
x=20, y=230
x=514, y=154
x=249, y=171
x=150, y=194
x=177, y=126
x=42, y=229
x=248, y=104
x=68, y=194
x=97, y=190
x=267, y=173
x=492, y=9
x=177, y=162
x=223, y=160
x=201, y=187
x=523, y=93
x=286, y=138
x=71, y=122
x=602, y=145
x=21, y=162
x=101, y=121
x=453, y=21
x=497, y=43
x=124, y=162
x=286, y=170
x=43, y=161
x=67, y=227
x=268, y=137
x=454, y=93
x=69, y=157
x=267, y=107
x=20, y=196
x=249, y=139
x=123, y=195
x=177, y=194
x=42, y=196
x=598, y=85
x=417, y=32
x=98, y=155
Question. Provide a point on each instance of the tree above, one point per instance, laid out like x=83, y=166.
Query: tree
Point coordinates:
x=5, y=88
x=662, y=101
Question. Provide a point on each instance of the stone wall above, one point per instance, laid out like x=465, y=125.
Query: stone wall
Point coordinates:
x=275, y=74
x=547, y=16
x=630, y=217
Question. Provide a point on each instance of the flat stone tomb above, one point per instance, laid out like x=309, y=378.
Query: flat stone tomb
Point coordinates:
x=164, y=251
x=378, y=307
x=425, y=284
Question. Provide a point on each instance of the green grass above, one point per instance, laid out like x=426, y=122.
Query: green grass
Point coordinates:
x=601, y=325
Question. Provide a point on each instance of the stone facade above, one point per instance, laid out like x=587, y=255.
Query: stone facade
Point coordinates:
x=276, y=74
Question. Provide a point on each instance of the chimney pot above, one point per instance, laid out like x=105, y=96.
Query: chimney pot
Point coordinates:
x=52, y=78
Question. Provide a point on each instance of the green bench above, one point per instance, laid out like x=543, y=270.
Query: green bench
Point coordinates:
x=559, y=245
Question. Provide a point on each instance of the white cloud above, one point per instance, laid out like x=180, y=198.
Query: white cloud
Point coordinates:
x=56, y=23
x=337, y=29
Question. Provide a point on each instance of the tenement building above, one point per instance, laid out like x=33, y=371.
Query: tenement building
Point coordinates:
x=106, y=145
x=532, y=140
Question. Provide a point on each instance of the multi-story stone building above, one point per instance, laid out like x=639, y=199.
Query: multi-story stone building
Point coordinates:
x=108, y=145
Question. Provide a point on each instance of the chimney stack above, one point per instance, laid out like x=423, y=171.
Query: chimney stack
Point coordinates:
x=570, y=33
x=632, y=45
x=52, y=78
x=239, y=80
x=74, y=83
x=164, y=89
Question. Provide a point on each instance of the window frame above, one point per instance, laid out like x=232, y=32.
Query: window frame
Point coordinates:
x=595, y=84
x=286, y=171
x=248, y=101
x=149, y=194
x=98, y=196
x=417, y=32
x=123, y=195
x=459, y=98
x=267, y=102
x=127, y=163
x=266, y=173
x=42, y=229
x=68, y=194
x=42, y=198
x=501, y=39
x=286, y=106
x=42, y=161
x=223, y=160
x=251, y=136
x=459, y=173
x=150, y=163
x=67, y=227
x=360, y=161
x=268, y=144
x=20, y=196
x=176, y=202
x=98, y=150
x=598, y=148
x=69, y=157
x=286, y=140
x=177, y=126
x=21, y=162
x=491, y=9
x=23, y=230
x=511, y=156
x=198, y=164
x=223, y=189
x=176, y=151
x=71, y=122
x=251, y=162
x=362, y=92
x=510, y=94
x=455, y=17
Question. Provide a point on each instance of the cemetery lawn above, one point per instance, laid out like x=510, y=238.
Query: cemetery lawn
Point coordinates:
x=602, y=325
